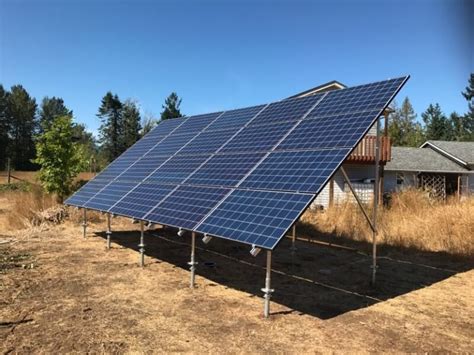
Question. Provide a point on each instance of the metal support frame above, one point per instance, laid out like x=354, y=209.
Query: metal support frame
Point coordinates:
x=141, y=246
x=193, y=262
x=84, y=223
x=293, y=238
x=109, y=231
x=267, y=290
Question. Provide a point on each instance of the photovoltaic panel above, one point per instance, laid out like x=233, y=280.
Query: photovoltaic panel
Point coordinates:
x=208, y=142
x=225, y=169
x=343, y=130
x=195, y=124
x=115, y=168
x=299, y=171
x=287, y=110
x=172, y=144
x=142, y=168
x=235, y=118
x=186, y=206
x=255, y=217
x=109, y=195
x=260, y=138
x=86, y=192
x=176, y=169
x=141, y=200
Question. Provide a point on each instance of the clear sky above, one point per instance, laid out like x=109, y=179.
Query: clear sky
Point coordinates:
x=226, y=54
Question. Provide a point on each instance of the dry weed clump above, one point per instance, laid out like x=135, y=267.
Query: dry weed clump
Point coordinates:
x=76, y=216
x=412, y=220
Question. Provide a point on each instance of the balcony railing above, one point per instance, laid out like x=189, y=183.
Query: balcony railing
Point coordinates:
x=365, y=151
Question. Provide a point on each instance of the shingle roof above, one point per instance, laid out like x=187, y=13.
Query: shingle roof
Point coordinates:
x=421, y=159
x=461, y=150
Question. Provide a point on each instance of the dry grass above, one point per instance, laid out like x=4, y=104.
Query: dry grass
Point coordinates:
x=411, y=221
x=32, y=176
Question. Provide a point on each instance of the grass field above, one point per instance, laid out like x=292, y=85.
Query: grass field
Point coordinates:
x=62, y=293
x=32, y=176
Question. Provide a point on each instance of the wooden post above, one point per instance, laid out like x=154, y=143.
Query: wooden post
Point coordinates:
x=381, y=183
x=331, y=192
x=459, y=187
x=8, y=171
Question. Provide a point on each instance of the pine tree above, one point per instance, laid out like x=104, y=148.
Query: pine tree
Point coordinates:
x=111, y=129
x=4, y=127
x=171, y=107
x=437, y=125
x=469, y=116
x=23, y=126
x=50, y=109
x=131, y=123
x=403, y=128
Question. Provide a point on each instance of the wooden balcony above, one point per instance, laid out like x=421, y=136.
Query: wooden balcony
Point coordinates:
x=365, y=151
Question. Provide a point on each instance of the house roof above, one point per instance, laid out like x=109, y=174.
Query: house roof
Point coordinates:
x=419, y=159
x=463, y=151
x=331, y=85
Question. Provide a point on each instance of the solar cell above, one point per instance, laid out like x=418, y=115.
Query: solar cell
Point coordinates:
x=176, y=169
x=109, y=195
x=208, y=141
x=142, y=168
x=86, y=192
x=186, y=206
x=139, y=201
x=299, y=171
x=225, y=169
x=195, y=124
x=235, y=119
x=255, y=217
x=172, y=144
x=260, y=138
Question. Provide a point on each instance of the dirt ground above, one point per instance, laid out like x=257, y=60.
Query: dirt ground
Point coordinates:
x=61, y=293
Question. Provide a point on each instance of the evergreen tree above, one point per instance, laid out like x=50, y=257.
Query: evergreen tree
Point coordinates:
x=437, y=126
x=131, y=123
x=403, y=128
x=4, y=127
x=469, y=116
x=171, y=107
x=23, y=126
x=111, y=129
x=50, y=109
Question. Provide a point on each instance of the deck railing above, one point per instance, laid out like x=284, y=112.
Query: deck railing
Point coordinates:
x=365, y=151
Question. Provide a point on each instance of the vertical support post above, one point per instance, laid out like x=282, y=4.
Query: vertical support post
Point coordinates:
x=293, y=238
x=9, y=171
x=376, y=202
x=109, y=231
x=193, y=262
x=141, y=246
x=331, y=192
x=84, y=223
x=267, y=290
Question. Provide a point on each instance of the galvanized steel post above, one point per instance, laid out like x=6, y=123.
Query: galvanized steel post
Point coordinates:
x=293, y=238
x=267, y=290
x=141, y=246
x=84, y=223
x=193, y=262
x=109, y=231
x=376, y=202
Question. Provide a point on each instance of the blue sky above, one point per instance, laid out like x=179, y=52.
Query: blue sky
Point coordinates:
x=227, y=54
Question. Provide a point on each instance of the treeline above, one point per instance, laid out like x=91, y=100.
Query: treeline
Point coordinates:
x=23, y=123
x=405, y=130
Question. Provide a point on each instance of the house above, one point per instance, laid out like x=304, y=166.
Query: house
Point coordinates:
x=443, y=168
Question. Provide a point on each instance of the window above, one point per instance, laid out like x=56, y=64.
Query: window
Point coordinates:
x=400, y=179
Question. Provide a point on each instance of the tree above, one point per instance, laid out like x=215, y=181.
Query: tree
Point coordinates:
x=469, y=116
x=171, y=107
x=403, y=128
x=4, y=127
x=437, y=126
x=23, y=125
x=111, y=130
x=87, y=145
x=50, y=109
x=149, y=122
x=59, y=156
x=131, y=123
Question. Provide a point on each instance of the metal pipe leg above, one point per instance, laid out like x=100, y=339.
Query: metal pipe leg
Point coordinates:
x=193, y=262
x=267, y=290
x=141, y=246
x=84, y=223
x=293, y=239
x=376, y=203
x=109, y=231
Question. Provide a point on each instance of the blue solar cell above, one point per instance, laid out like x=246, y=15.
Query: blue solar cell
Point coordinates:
x=196, y=124
x=344, y=130
x=186, y=206
x=368, y=97
x=86, y=192
x=225, y=169
x=260, y=138
x=109, y=195
x=287, y=110
x=142, y=168
x=299, y=171
x=208, y=142
x=115, y=168
x=177, y=168
x=255, y=217
x=235, y=119
x=172, y=144
x=142, y=199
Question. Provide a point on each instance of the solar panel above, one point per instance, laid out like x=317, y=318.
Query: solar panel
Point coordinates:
x=244, y=174
x=255, y=217
x=186, y=206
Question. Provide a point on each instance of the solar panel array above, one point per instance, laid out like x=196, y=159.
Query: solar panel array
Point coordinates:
x=246, y=174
